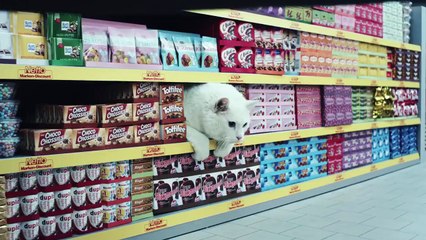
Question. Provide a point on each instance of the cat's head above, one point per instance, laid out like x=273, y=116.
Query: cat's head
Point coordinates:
x=234, y=117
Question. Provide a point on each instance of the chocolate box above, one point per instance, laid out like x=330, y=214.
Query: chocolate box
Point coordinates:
x=119, y=136
x=233, y=182
x=31, y=47
x=147, y=112
x=88, y=138
x=65, y=52
x=146, y=133
x=166, y=165
x=172, y=133
x=171, y=93
x=43, y=141
x=27, y=23
x=190, y=190
x=141, y=166
x=63, y=25
x=145, y=91
x=166, y=195
x=172, y=113
x=213, y=186
x=115, y=114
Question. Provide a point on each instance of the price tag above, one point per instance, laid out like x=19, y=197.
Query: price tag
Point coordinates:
x=373, y=168
x=373, y=83
x=339, y=81
x=401, y=84
x=294, y=189
x=401, y=160
x=35, y=72
x=35, y=163
x=402, y=122
x=340, y=129
x=295, y=135
x=374, y=126
x=235, y=78
x=235, y=14
x=155, y=224
x=339, y=177
x=403, y=45
x=295, y=80
x=340, y=34
x=153, y=76
x=235, y=204
x=294, y=26
x=375, y=41
x=153, y=151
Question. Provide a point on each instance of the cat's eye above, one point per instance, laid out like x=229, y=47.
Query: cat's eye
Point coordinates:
x=245, y=125
x=231, y=124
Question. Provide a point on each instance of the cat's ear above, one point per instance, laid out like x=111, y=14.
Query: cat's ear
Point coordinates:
x=222, y=105
x=251, y=104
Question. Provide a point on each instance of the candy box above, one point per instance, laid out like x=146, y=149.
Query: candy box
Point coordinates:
x=141, y=166
x=172, y=113
x=51, y=140
x=228, y=57
x=171, y=93
x=146, y=112
x=119, y=136
x=27, y=23
x=166, y=165
x=145, y=92
x=66, y=52
x=63, y=25
x=233, y=182
x=75, y=115
x=213, y=187
x=245, y=58
x=87, y=138
x=227, y=30
x=31, y=47
x=172, y=133
x=166, y=195
x=113, y=114
x=147, y=133
x=190, y=190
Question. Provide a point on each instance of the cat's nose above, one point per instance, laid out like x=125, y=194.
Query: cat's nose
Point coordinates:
x=239, y=138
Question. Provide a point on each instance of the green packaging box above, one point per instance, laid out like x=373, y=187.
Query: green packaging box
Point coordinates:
x=66, y=52
x=307, y=15
x=63, y=25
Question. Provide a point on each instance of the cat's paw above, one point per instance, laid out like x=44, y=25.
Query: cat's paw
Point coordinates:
x=200, y=155
x=222, y=152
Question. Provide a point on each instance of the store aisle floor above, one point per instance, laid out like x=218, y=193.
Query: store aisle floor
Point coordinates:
x=391, y=207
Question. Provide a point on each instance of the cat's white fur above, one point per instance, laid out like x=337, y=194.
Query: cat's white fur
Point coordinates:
x=205, y=121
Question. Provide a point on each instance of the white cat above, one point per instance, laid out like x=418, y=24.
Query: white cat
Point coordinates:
x=216, y=111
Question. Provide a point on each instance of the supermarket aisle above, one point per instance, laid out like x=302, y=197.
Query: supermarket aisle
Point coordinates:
x=391, y=207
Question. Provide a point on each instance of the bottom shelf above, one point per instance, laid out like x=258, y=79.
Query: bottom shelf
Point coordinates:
x=181, y=222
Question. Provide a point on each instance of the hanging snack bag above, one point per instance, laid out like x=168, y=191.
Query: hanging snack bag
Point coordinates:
x=95, y=45
x=147, y=49
x=209, y=53
x=185, y=51
x=198, y=49
x=168, y=52
x=122, y=45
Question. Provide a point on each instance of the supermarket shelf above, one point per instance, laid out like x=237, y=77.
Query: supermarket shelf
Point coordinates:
x=180, y=222
x=19, y=164
x=283, y=23
x=21, y=72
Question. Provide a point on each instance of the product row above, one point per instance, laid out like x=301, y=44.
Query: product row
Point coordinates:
x=388, y=20
x=233, y=46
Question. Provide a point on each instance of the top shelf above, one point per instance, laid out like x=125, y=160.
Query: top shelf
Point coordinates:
x=288, y=24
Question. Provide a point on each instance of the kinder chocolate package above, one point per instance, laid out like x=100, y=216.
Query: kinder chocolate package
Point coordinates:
x=147, y=49
x=209, y=53
x=147, y=132
x=6, y=45
x=245, y=58
x=95, y=44
x=122, y=45
x=64, y=25
x=185, y=52
x=168, y=52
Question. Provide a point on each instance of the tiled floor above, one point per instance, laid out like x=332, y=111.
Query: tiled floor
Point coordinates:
x=391, y=207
